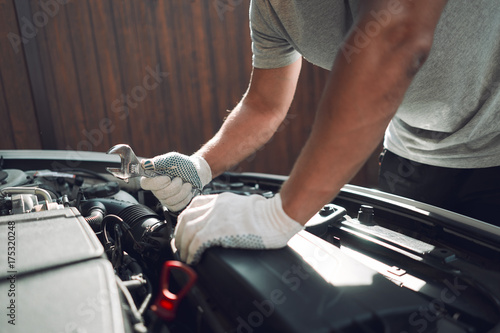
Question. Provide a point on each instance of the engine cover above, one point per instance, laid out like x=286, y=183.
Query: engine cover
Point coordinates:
x=57, y=269
x=309, y=286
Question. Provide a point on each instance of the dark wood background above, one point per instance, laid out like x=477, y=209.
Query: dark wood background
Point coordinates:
x=76, y=74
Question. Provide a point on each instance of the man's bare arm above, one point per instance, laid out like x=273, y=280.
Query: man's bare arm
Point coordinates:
x=255, y=119
x=362, y=94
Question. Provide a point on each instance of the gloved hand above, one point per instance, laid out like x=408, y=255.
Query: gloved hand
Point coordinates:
x=231, y=220
x=179, y=174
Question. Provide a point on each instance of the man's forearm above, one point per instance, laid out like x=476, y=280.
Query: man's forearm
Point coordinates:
x=361, y=96
x=244, y=131
x=255, y=119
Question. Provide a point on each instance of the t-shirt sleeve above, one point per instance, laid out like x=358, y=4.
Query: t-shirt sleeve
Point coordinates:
x=270, y=49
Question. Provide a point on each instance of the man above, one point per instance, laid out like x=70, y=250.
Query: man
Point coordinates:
x=374, y=50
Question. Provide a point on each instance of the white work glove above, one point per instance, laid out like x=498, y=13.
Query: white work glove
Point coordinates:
x=174, y=176
x=231, y=220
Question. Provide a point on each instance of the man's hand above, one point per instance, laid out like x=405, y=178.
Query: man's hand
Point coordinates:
x=179, y=174
x=231, y=220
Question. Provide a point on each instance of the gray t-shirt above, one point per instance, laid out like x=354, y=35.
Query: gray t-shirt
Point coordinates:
x=450, y=115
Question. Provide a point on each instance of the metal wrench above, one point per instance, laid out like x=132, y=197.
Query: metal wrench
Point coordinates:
x=131, y=167
x=130, y=164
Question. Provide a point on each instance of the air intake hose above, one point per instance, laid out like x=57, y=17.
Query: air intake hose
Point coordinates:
x=146, y=227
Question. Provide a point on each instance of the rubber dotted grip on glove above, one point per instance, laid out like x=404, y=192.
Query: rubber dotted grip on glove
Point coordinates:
x=174, y=165
x=237, y=241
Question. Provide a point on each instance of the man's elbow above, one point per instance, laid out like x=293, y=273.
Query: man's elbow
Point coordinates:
x=410, y=41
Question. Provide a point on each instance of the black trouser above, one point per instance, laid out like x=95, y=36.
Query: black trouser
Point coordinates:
x=471, y=192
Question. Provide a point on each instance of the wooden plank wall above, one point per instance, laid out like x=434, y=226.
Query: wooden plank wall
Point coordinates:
x=158, y=75
x=18, y=122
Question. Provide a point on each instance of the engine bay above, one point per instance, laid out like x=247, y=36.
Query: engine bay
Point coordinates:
x=89, y=253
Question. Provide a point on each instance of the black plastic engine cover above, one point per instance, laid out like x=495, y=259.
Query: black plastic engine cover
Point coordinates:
x=309, y=286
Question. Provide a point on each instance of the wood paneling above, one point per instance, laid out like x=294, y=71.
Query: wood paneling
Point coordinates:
x=18, y=122
x=159, y=75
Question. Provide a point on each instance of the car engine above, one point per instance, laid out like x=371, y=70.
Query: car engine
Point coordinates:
x=83, y=252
